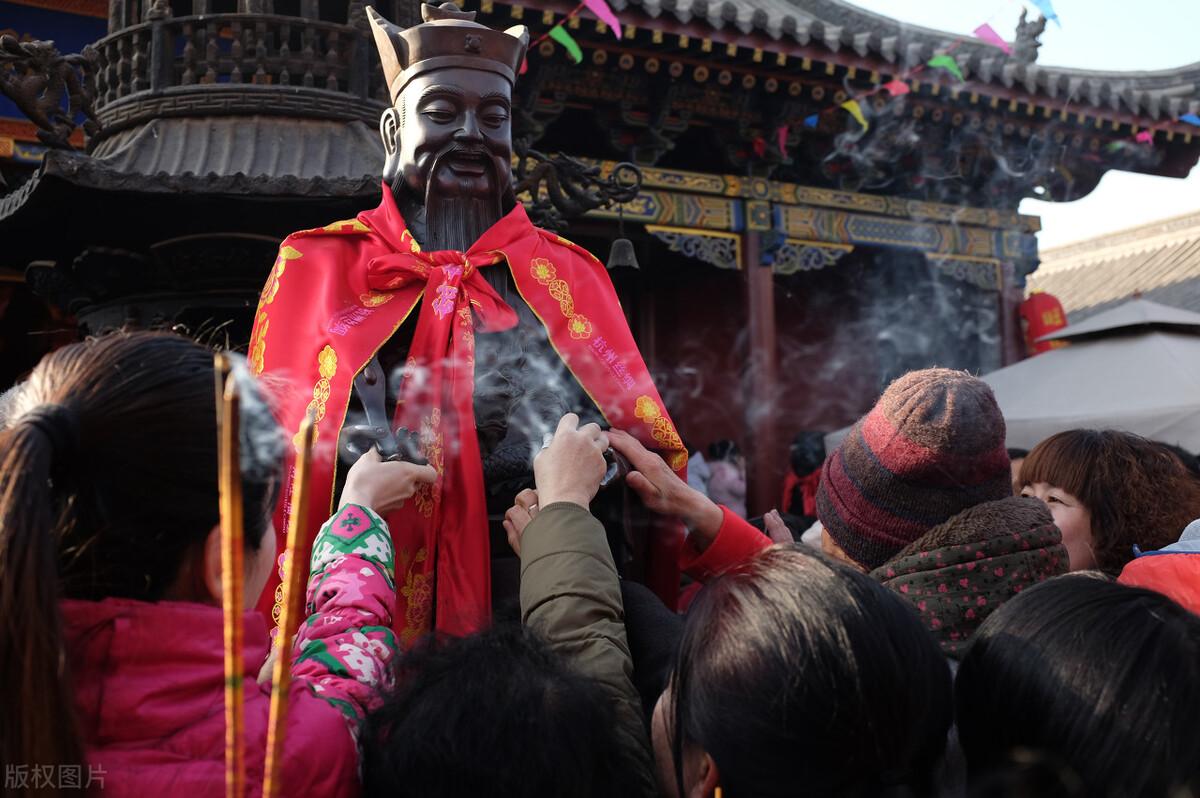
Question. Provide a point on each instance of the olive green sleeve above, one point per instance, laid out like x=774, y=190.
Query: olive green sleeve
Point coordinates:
x=571, y=595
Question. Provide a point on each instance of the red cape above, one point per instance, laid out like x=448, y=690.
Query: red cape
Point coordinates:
x=336, y=294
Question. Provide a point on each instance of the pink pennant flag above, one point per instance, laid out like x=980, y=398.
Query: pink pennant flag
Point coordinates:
x=1145, y=137
x=524, y=66
x=604, y=14
x=781, y=134
x=988, y=34
x=897, y=88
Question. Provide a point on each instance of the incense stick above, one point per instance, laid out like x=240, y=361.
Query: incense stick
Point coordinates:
x=295, y=576
x=232, y=574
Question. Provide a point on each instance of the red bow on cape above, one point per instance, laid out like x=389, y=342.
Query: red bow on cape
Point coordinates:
x=338, y=293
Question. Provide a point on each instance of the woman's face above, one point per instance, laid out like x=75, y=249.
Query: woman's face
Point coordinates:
x=1072, y=518
x=258, y=566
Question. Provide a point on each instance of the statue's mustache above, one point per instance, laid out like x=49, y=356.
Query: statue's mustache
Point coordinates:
x=462, y=150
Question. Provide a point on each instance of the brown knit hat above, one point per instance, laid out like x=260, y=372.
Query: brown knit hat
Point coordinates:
x=932, y=446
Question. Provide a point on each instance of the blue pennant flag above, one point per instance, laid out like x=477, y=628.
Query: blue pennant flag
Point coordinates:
x=812, y=121
x=1191, y=119
x=1047, y=9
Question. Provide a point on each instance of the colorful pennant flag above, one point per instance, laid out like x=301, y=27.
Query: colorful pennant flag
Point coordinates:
x=897, y=88
x=856, y=111
x=1191, y=119
x=947, y=63
x=524, y=66
x=988, y=34
x=559, y=34
x=1047, y=9
x=781, y=134
x=604, y=14
x=760, y=146
x=1145, y=137
x=812, y=121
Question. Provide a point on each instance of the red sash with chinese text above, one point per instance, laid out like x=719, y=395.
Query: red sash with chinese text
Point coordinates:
x=337, y=294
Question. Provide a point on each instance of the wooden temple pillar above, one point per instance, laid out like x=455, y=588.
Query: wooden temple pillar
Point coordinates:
x=764, y=464
x=1012, y=337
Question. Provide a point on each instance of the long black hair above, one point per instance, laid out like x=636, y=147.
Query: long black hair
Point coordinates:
x=108, y=481
x=1097, y=675
x=799, y=673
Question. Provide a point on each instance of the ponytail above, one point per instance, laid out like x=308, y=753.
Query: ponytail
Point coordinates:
x=38, y=725
x=119, y=522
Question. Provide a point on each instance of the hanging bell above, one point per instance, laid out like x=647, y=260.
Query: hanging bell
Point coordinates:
x=622, y=256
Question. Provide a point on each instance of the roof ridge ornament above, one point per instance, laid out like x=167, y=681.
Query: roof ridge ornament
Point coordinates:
x=1026, y=43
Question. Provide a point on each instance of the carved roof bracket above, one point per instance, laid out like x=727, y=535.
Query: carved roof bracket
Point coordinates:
x=645, y=136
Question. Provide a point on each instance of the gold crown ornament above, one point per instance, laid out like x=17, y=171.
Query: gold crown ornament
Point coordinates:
x=448, y=37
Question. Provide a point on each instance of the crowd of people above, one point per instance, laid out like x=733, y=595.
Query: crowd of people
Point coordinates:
x=954, y=631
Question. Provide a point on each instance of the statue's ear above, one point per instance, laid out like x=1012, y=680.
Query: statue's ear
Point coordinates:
x=389, y=129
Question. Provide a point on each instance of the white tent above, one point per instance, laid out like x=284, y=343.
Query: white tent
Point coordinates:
x=1135, y=368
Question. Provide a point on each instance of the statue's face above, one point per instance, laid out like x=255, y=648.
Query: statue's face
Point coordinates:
x=455, y=138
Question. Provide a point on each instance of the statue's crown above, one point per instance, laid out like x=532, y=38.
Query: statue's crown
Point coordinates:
x=447, y=38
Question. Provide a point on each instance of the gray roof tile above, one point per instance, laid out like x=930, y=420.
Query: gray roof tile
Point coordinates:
x=837, y=25
x=1158, y=261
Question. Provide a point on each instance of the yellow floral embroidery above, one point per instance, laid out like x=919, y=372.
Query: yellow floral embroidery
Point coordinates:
x=662, y=431
x=258, y=341
x=544, y=272
x=286, y=253
x=347, y=226
x=418, y=596
x=327, y=367
x=468, y=334
x=431, y=446
x=412, y=242
x=374, y=300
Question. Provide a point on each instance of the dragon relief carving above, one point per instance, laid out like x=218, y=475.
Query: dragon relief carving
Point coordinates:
x=50, y=88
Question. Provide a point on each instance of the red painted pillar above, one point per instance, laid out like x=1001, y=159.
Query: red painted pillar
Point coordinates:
x=764, y=463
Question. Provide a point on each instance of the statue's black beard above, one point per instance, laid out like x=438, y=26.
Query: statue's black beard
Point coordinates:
x=447, y=221
x=458, y=222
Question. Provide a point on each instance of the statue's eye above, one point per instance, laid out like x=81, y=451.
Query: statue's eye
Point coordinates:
x=494, y=118
x=493, y=115
x=440, y=113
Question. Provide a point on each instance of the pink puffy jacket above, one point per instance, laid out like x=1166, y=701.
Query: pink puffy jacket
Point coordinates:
x=149, y=678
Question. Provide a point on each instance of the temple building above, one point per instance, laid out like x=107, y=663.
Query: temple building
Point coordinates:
x=795, y=252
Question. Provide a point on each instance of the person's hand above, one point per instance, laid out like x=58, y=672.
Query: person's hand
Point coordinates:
x=777, y=530
x=267, y=672
x=384, y=486
x=524, y=510
x=570, y=468
x=662, y=491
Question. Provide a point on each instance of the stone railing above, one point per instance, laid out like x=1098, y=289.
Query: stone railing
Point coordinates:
x=236, y=63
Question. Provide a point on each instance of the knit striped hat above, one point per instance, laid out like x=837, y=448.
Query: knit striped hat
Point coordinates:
x=932, y=446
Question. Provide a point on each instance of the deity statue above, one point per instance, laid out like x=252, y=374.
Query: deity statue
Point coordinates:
x=448, y=314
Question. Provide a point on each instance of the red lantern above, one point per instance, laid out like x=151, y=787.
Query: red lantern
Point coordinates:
x=1042, y=314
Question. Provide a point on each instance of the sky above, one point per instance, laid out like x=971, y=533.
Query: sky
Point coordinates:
x=1095, y=34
